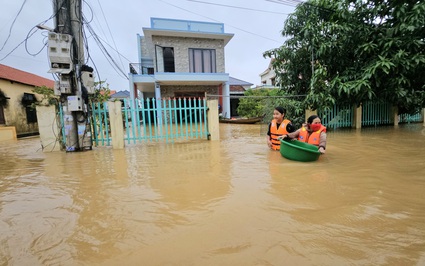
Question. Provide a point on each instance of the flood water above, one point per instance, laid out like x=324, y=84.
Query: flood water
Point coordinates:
x=228, y=202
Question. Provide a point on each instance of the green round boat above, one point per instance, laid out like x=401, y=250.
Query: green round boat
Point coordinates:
x=298, y=151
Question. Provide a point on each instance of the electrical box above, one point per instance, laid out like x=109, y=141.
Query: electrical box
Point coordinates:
x=87, y=79
x=60, y=46
x=63, y=85
x=57, y=89
x=75, y=103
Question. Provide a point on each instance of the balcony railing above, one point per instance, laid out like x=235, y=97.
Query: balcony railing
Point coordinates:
x=140, y=69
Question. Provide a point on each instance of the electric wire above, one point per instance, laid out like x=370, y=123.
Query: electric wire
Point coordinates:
x=13, y=23
x=238, y=7
x=105, y=52
x=29, y=35
x=109, y=29
x=212, y=19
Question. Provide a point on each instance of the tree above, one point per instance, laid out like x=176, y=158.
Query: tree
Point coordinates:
x=260, y=102
x=350, y=51
x=101, y=93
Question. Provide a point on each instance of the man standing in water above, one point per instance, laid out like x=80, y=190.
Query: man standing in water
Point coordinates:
x=279, y=126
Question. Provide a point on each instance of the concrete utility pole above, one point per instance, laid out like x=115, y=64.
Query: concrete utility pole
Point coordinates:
x=68, y=25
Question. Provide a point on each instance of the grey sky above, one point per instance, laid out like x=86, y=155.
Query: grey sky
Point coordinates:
x=255, y=23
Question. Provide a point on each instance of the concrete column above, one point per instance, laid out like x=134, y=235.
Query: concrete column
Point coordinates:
x=423, y=116
x=131, y=86
x=309, y=113
x=116, y=123
x=357, y=121
x=158, y=104
x=226, y=100
x=212, y=116
x=48, y=128
x=396, y=117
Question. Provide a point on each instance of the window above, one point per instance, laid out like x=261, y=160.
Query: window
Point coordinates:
x=168, y=59
x=2, y=120
x=202, y=61
x=27, y=100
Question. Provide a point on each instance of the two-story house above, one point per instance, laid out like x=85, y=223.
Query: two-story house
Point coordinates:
x=268, y=77
x=181, y=58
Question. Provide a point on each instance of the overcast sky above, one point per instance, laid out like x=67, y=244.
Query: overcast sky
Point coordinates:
x=256, y=25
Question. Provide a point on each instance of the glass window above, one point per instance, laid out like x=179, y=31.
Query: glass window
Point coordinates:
x=202, y=61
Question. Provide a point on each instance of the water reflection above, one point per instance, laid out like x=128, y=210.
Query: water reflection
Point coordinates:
x=233, y=202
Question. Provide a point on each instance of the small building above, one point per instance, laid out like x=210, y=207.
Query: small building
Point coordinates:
x=17, y=97
x=268, y=77
x=121, y=95
x=237, y=90
x=181, y=58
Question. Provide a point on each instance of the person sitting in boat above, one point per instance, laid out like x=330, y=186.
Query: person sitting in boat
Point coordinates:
x=278, y=127
x=313, y=132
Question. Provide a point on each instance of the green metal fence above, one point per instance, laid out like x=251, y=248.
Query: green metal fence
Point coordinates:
x=337, y=116
x=100, y=124
x=154, y=120
x=411, y=118
x=376, y=113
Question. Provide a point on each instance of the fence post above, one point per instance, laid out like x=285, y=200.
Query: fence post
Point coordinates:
x=395, y=115
x=357, y=121
x=116, y=123
x=212, y=116
x=309, y=113
x=423, y=116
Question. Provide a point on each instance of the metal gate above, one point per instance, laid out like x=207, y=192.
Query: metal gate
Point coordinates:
x=338, y=116
x=153, y=120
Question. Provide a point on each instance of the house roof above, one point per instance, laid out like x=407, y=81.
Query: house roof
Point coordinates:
x=121, y=94
x=187, y=28
x=269, y=68
x=237, y=82
x=16, y=75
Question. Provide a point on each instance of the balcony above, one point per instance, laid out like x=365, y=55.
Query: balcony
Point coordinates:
x=141, y=69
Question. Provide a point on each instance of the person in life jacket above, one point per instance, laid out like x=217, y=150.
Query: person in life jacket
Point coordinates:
x=278, y=127
x=313, y=133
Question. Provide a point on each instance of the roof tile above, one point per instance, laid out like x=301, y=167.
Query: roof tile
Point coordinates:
x=16, y=75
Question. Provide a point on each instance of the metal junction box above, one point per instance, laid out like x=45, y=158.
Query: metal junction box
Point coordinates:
x=75, y=103
x=60, y=46
x=87, y=79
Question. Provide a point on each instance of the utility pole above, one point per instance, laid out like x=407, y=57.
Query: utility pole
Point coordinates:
x=66, y=52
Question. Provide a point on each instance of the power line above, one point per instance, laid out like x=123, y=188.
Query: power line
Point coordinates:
x=105, y=51
x=264, y=37
x=109, y=29
x=238, y=7
x=13, y=23
x=293, y=3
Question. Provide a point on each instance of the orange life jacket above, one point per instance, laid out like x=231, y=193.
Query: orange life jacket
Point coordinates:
x=311, y=138
x=276, y=132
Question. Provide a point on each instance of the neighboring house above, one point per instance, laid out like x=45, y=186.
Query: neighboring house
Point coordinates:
x=16, y=87
x=268, y=77
x=121, y=95
x=181, y=58
x=237, y=89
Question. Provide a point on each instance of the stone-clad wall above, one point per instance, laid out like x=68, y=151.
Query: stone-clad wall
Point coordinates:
x=181, y=50
x=168, y=91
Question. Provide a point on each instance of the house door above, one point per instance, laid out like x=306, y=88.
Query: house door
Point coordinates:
x=2, y=120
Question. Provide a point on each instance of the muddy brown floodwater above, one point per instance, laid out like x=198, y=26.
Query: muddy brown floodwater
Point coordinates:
x=228, y=202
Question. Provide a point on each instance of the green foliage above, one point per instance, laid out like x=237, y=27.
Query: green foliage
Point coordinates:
x=102, y=92
x=350, y=51
x=258, y=102
x=48, y=96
